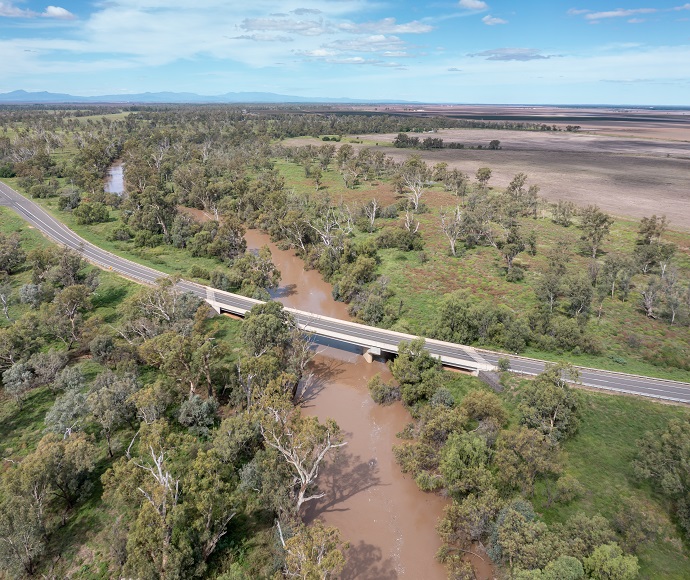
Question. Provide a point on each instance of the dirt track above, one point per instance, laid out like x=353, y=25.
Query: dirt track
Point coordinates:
x=625, y=176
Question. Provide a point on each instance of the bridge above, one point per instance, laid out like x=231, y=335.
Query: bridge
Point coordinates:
x=373, y=340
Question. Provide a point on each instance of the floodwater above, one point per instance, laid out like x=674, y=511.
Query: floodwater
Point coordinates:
x=299, y=288
x=389, y=523
x=115, y=180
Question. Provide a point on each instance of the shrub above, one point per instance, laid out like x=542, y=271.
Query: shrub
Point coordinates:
x=198, y=272
x=101, y=347
x=399, y=238
x=383, y=393
x=515, y=274
x=7, y=170
x=121, y=234
x=198, y=415
x=91, y=213
x=147, y=239
x=442, y=398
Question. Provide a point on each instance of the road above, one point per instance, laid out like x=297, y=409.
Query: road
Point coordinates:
x=365, y=336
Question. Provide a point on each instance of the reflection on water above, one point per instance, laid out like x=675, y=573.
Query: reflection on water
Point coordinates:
x=115, y=180
x=388, y=521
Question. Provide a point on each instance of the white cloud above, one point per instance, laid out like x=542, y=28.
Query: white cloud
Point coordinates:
x=304, y=27
x=476, y=5
x=507, y=54
x=386, y=26
x=619, y=13
x=303, y=11
x=58, y=12
x=493, y=21
x=8, y=10
x=262, y=37
x=373, y=43
x=317, y=53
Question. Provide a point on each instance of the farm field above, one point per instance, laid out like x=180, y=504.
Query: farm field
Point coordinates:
x=624, y=175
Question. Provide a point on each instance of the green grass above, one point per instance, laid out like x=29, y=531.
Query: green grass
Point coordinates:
x=600, y=456
x=21, y=428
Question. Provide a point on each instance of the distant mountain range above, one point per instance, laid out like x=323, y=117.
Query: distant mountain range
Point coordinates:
x=19, y=97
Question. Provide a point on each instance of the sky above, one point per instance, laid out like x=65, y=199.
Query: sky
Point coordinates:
x=618, y=52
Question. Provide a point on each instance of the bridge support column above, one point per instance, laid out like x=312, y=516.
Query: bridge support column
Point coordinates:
x=211, y=300
x=371, y=353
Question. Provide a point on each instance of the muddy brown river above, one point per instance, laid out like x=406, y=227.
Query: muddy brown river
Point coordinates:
x=388, y=521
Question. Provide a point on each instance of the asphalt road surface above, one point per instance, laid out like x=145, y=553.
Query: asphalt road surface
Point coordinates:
x=58, y=232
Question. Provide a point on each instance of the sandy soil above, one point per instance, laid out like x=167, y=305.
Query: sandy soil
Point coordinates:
x=625, y=176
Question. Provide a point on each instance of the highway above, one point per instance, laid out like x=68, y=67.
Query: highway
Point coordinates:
x=365, y=336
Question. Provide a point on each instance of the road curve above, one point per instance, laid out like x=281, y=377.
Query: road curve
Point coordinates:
x=357, y=333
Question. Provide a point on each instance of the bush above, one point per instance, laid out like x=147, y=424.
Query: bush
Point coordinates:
x=69, y=200
x=147, y=239
x=442, y=398
x=389, y=212
x=198, y=272
x=121, y=234
x=40, y=190
x=515, y=274
x=32, y=294
x=198, y=415
x=101, y=347
x=47, y=365
x=399, y=238
x=383, y=393
x=568, y=489
x=7, y=170
x=87, y=213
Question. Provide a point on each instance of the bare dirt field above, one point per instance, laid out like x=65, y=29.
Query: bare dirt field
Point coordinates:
x=646, y=122
x=625, y=176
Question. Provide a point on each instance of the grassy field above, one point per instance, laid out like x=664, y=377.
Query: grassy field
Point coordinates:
x=600, y=457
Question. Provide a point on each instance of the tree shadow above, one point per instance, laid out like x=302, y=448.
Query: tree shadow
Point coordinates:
x=321, y=372
x=345, y=476
x=110, y=296
x=284, y=291
x=366, y=561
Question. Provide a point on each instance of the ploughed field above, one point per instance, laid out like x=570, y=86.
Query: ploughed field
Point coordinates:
x=624, y=175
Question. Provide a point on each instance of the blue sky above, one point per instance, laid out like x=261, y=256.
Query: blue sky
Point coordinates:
x=463, y=51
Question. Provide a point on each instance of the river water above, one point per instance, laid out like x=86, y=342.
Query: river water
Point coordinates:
x=388, y=521
x=115, y=180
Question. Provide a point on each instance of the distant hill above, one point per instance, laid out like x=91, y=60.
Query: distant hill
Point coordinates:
x=24, y=97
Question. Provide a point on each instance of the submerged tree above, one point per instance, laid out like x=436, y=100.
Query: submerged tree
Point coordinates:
x=303, y=442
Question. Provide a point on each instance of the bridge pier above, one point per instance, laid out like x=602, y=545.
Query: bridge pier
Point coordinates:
x=211, y=300
x=371, y=353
